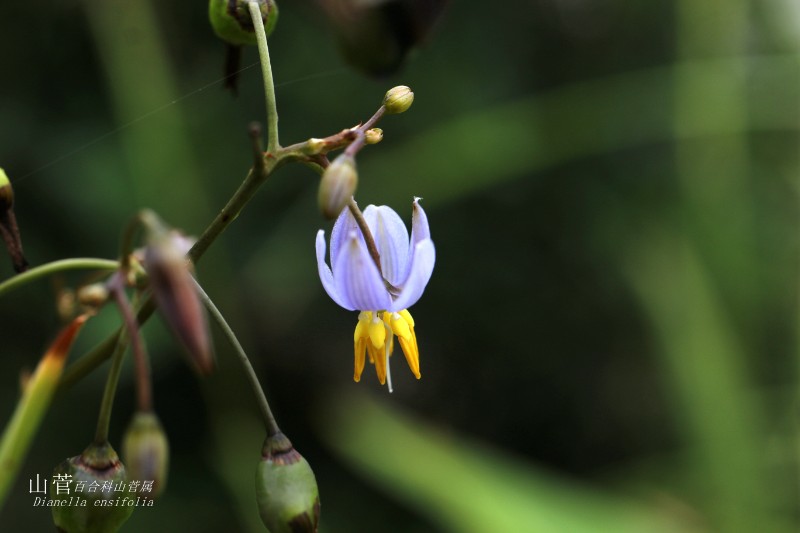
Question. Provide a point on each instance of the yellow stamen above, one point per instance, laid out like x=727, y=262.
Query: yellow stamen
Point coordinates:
x=362, y=327
x=360, y=337
x=360, y=351
x=374, y=339
x=403, y=326
x=377, y=333
x=379, y=358
x=407, y=316
x=400, y=326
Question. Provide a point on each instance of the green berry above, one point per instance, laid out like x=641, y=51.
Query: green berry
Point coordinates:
x=96, y=467
x=232, y=22
x=286, y=490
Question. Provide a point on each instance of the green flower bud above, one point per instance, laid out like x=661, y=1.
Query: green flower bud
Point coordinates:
x=374, y=135
x=286, y=490
x=94, y=295
x=398, y=99
x=232, y=22
x=314, y=146
x=97, y=466
x=146, y=451
x=337, y=185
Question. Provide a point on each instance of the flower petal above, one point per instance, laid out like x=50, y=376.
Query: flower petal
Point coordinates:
x=357, y=279
x=391, y=239
x=345, y=224
x=419, y=231
x=326, y=276
x=419, y=223
x=424, y=257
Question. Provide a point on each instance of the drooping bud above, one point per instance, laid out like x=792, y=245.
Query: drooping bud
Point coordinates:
x=9, y=230
x=337, y=185
x=398, y=99
x=175, y=292
x=146, y=451
x=373, y=135
x=232, y=22
x=286, y=489
x=101, y=474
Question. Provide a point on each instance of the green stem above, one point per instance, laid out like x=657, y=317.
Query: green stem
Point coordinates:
x=269, y=85
x=358, y=144
x=243, y=194
x=104, y=418
x=76, y=263
x=266, y=413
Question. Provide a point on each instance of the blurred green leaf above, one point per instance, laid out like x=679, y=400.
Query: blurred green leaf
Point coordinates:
x=486, y=147
x=468, y=487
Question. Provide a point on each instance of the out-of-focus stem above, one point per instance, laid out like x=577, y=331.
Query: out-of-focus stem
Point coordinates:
x=266, y=413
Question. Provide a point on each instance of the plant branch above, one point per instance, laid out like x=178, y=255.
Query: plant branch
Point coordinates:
x=77, y=263
x=269, y=85
x=144, y=394
x=266, y=413
x=107, y=404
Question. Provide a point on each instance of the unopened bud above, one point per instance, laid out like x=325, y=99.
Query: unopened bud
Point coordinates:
x=314, y=146
x=146, y=451
x=233, y=24
x=9, y=231
x=398, y=99
x=373, y=135
x=286, y=489
x=94, y=295
x=97, y=466
x=176, y=294
x=6, y=192
x=337, y=185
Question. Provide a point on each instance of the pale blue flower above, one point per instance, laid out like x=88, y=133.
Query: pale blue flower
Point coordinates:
x=383, y=296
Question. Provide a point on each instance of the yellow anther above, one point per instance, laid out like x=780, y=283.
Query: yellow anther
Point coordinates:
x=379, y=357
x=407, y=316
x=377, y=333
x=400, y=327
x=362, y=331
x=360, y=349
x=374, y=339
x=371, y=351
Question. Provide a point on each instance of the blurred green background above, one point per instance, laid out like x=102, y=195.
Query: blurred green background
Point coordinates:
x=609, y=340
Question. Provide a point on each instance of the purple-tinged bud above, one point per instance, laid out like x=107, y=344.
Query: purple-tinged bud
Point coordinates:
x=286, y=489
x=373, y=135
x=175, y=292
x=97, y=467
x=6, y=192
x=337, y=185
x=9, y=231
x=146, y=451
x=398, y=99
